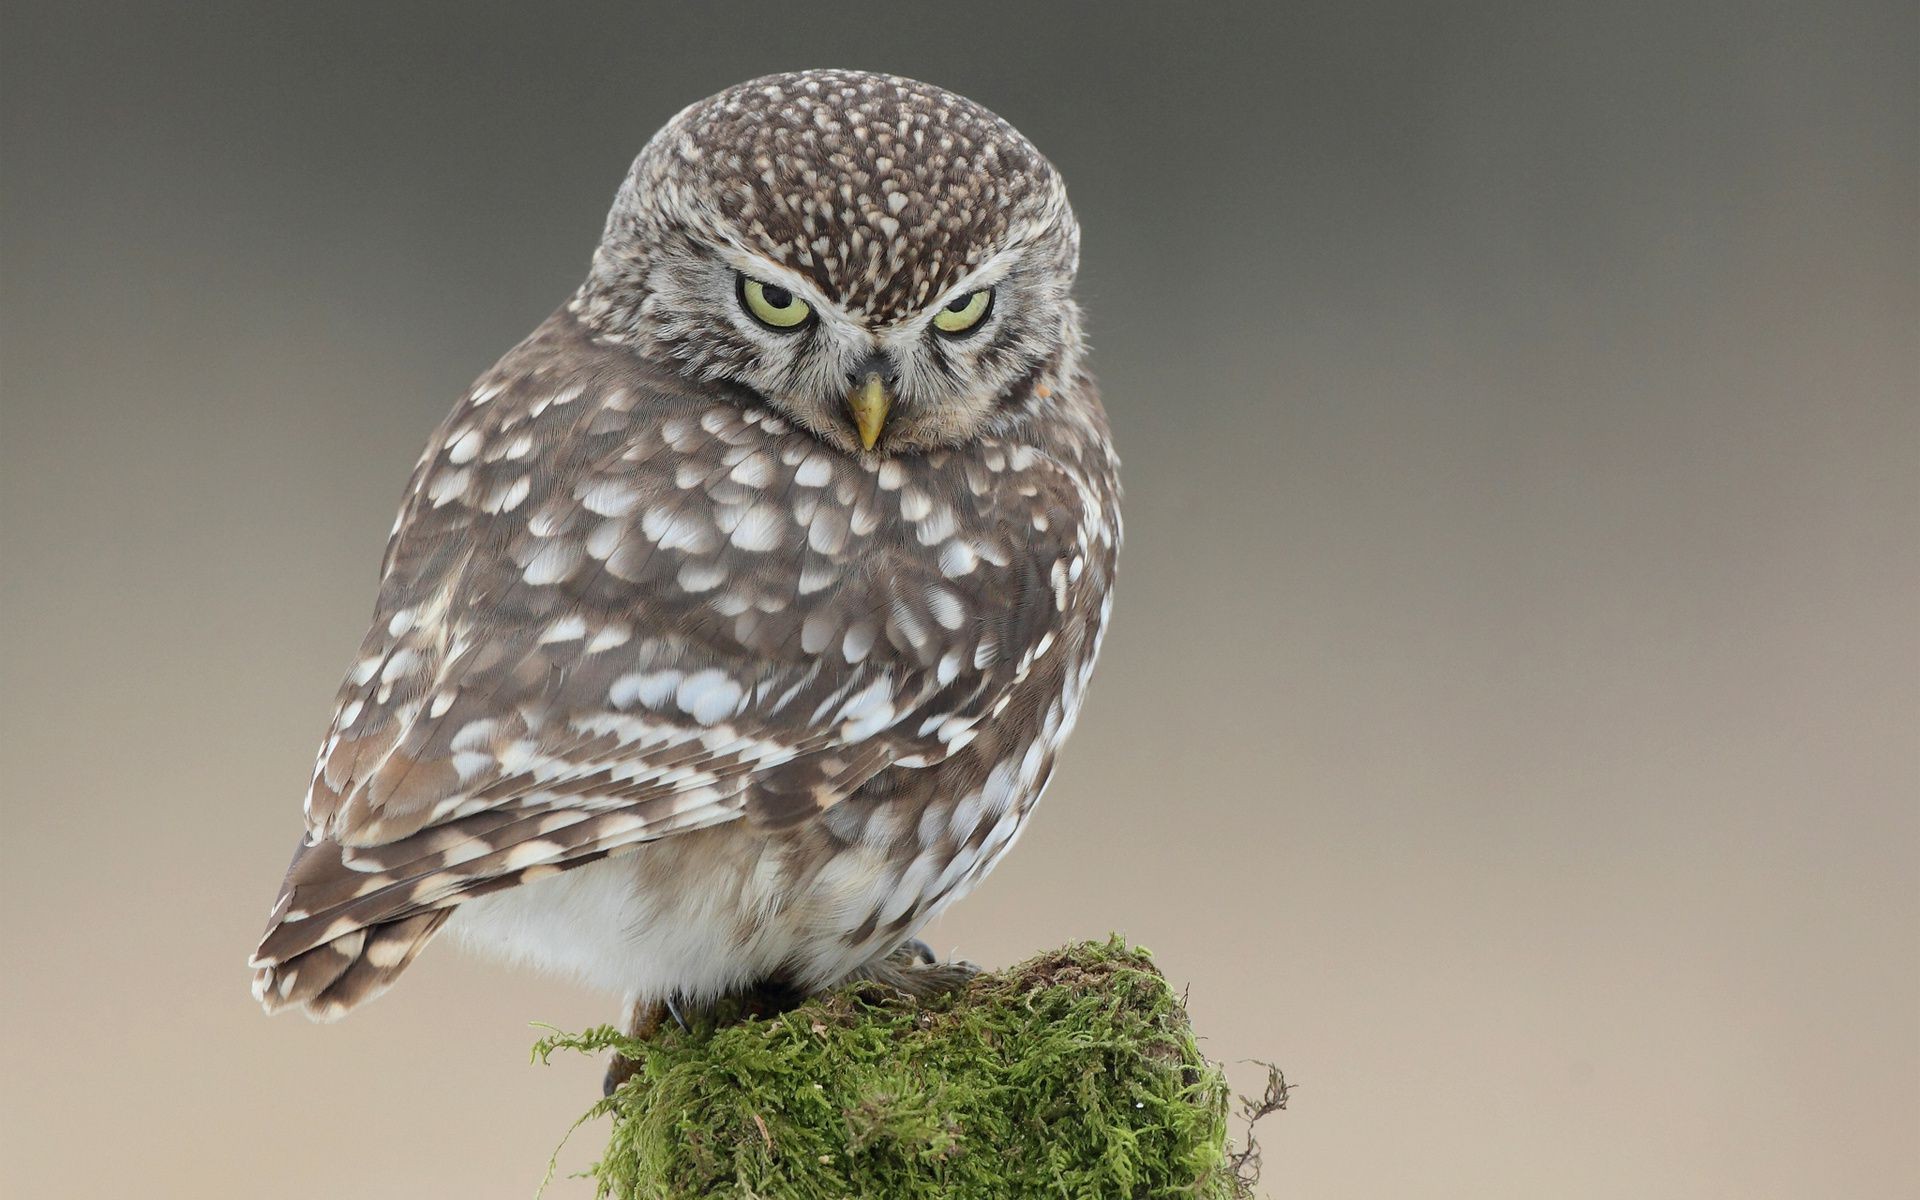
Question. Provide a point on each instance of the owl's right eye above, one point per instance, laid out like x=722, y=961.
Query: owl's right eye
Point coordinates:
x=773, y=305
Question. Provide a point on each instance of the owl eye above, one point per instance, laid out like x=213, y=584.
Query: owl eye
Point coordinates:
x=773, y=305
x=964, y=312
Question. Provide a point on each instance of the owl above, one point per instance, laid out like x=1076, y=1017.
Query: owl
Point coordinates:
x=732, y=622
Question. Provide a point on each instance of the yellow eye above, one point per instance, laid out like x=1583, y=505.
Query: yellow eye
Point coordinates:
x=773, y=305
x=964, y=312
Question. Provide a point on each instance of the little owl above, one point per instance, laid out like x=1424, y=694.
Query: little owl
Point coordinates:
x=731, y=623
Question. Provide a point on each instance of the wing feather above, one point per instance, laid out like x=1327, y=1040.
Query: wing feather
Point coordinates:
x=612, y=611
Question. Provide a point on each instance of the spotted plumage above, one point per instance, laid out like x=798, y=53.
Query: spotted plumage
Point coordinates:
x=675, y=683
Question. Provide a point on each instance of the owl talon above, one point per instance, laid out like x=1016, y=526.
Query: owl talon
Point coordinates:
x=619, y=1070
x=673, y=1010
x=913, y=949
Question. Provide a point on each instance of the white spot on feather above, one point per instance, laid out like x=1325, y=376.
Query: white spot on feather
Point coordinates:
x=816, y=471
x=402, y=663
x=759, y=529
x=701, y=577
x=612, y=635
x=553, y=562
x=675, y=530
x=448, y=486
x=957, y=559
x=608, y=498
x=709, y=696
x=755, y=470
x=651, y=689
x=946, y=608
x=465, y=447
x=529, y=853
x=508, y=496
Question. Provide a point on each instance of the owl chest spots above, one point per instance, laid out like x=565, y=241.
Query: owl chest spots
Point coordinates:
x=729, y=522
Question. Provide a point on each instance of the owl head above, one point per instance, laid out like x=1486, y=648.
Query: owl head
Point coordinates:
x=887, y=263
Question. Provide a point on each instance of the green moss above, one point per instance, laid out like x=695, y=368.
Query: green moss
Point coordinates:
x=1074, y=1074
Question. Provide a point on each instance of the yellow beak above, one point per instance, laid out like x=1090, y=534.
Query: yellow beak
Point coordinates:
x=869, y=402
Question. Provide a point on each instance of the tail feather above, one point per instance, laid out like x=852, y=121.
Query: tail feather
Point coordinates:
x=338, y=975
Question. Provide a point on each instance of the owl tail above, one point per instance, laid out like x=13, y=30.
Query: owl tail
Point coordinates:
x=331, y=978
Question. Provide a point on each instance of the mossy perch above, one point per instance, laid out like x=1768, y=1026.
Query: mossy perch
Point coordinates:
x=1074, y=1074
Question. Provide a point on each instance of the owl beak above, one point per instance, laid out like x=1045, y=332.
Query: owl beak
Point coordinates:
x=869, y=401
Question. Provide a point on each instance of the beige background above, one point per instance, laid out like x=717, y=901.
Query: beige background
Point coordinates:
x=1509, y=723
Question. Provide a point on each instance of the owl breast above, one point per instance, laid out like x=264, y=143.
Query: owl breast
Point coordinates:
x=711, y=558
x=709, y=913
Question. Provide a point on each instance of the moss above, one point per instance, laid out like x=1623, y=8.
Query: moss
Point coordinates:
x=1073, y=1074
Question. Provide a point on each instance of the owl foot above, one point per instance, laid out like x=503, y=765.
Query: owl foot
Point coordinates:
x=643, y=1020
x=912, y=969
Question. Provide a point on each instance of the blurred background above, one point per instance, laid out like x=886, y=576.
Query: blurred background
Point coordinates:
x=1509, y=723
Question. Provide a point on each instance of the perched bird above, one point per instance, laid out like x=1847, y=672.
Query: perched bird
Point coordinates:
x=732, y=622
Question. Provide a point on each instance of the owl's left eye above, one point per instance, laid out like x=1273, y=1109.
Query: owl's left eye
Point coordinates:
x=773, y=305
x=964, y=312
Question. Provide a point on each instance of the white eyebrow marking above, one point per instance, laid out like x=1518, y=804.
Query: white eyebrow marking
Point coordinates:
x=764, y=269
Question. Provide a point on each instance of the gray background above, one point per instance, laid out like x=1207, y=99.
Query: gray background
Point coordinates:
x=1509, y=721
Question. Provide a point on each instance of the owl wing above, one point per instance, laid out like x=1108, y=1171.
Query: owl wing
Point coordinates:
x=611, y=613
